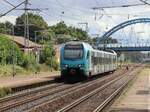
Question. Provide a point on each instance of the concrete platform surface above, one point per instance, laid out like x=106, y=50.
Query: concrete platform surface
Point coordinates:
x=18, y=81
x=137, y=97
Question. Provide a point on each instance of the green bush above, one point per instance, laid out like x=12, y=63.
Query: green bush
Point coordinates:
x=7, y=70
x=55, y=65
x=5, y=91
x=6, y=51
x=47, y=56
x=24, y=63
x=29, y=62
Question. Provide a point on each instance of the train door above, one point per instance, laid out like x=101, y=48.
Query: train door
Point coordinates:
x=99, y=65
x=114, y=62
x=102, y=62
x=109, y=62
x=90, y=63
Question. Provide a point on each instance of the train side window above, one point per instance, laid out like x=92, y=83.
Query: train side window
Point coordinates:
x=88, y=54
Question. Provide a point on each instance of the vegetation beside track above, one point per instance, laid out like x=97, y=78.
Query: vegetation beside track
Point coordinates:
x=6, y=70
x=26, y=63
x=5, y=91
x=23, y=63
x=47, y=36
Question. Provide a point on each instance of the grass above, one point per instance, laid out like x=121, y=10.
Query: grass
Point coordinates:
x=4, y=92
x=44, y=68
x=7, y=70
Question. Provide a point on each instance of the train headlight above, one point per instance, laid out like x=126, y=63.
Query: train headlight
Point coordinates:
x=80, y=65
x=65, y=66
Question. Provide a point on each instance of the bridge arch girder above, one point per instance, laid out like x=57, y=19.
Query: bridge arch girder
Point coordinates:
x=122, y=25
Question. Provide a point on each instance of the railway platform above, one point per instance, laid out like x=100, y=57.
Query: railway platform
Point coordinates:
x=136, y=97
x=19, y=81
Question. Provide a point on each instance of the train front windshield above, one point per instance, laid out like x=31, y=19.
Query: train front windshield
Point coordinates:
x=73, y=52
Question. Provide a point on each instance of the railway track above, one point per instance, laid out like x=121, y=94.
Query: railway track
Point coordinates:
x=26, y=93
x=62, y=101
x=26, y=101
x=13, y=101
x=104, y=94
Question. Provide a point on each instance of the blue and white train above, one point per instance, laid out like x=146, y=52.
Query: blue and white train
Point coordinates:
x=79, y=59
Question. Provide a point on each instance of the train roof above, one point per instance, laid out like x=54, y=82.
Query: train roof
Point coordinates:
x=88, y=46
x=106, y=52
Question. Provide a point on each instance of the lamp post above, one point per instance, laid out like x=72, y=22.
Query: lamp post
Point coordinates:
x=35, y=48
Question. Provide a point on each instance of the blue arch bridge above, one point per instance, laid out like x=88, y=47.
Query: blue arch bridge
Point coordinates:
x=123, y=47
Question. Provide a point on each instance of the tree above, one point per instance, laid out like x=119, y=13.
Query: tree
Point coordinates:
x=66, y=33
x=47, y=56
x=45, y=36
x=81, y=35
x=6, y=52
x=6, y=28
x=36, y=22
x=135, y=56
x=60, y=28
x=29, y=62
x=109, y=40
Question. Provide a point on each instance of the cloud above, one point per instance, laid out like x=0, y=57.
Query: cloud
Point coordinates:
x=76, y=11
x=10, y=18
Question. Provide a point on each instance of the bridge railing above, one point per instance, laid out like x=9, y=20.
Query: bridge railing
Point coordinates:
x=118, y=45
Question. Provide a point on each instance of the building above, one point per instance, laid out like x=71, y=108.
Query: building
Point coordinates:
x=34, y=47
x=30, y=46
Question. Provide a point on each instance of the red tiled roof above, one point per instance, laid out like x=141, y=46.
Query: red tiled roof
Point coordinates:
x=20, y=40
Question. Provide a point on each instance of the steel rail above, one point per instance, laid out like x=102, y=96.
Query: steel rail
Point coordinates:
x=7, y=107
x=80, y=100
x=68, y=89
x=112, y=96
x=80, y=87
x=28, y=92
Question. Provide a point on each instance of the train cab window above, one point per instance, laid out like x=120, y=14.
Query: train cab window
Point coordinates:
x=73, y=52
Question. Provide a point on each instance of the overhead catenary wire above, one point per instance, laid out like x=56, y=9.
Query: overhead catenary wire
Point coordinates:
x=145, y=2
x=68, y=16
x=58, y=12
x=66, y=9
x=65, y=15
x=9, y=3
x=104, y=12
x=117, y=6
x=75, y=8
x=62, y=5
x=1, y=15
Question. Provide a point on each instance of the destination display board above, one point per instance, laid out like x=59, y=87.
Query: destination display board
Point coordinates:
x=78, y=46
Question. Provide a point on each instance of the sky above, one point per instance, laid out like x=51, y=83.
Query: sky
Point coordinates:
x=74, y=12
